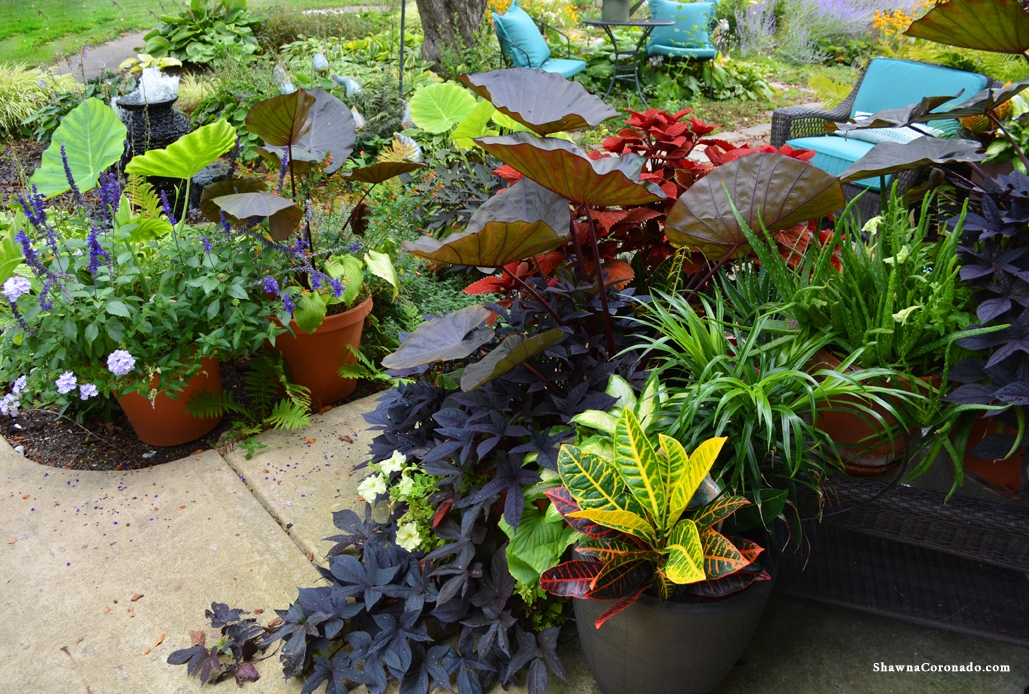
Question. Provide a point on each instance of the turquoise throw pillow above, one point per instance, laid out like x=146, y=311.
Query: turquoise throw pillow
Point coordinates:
x=692, y=23
x=517, y=28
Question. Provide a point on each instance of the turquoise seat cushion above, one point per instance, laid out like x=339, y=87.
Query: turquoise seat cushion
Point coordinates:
x=835, y=155
x=890, y=83
x=679, y=52
x=564, y=66
x=692, y=24
x=516, y=28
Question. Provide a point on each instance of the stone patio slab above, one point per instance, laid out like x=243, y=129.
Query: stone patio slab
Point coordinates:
x=77, y=546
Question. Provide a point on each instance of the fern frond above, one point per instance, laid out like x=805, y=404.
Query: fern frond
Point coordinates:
x=205, y=404
x=829, y=91
x=262, y=380
x=288, y=415
x=299, y=395
x=143, y=197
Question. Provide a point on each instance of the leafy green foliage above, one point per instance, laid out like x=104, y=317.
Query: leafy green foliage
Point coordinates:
x=185, y=157
x=92, y=138
x=24, y=90
x=206, y=32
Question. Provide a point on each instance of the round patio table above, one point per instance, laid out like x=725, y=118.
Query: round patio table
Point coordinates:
x=631, y=72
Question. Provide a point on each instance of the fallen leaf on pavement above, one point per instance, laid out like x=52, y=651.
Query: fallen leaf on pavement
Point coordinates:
x=146, y=651
x=136, y=597
x=159, y=641
x=197, y=637
x=107, y=609
x=258, y=611
x=275, y=622
x=24, y=496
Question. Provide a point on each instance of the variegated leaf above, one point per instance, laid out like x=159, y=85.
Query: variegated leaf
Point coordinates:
x=626, y=521
x=617, y=607
x=727, y=585
x=645, y=472
x=700, y=462
x=718, y=510
x=685, y=555
x=678, y=467
x=619, y=578
x=565, y=505
x=749, y=550
x=594, y=482
x=607, y=548
x=571, y=579
x=721, y=558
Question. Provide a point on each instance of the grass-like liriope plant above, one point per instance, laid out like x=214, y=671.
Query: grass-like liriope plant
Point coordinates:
x=639, y=532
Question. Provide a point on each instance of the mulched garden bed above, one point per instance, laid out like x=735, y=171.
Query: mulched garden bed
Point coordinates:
x=19, y=158
x=51, y=439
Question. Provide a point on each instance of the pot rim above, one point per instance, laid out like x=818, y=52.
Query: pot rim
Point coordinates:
x=750, y=594
x=338, y=321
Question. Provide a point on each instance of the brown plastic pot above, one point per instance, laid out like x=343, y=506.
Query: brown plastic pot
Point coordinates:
x=164, y=421
x=1004, y=475
x=314, y=358
x=866, y=446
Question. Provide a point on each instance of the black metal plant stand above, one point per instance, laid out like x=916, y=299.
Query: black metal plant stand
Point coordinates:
x=630, y=72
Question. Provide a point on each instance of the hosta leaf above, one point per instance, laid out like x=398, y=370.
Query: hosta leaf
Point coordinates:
x=350, y=270
x=718, y=510
x=330, y=131
x=564, y=168
x=523, y=221
x=721, y=558
x=310, y=312
x=644, y=472
x=283, y=214
x=619, y=578
x=93, y=139
x=892, y=157
x=772, y=189
x=507, y=355
x=626, y=521
x=443, y=338
x=476, y=124
x=437, y=108
x=685, y=554
x=281, y=120
x=544, y=102
x=380, y=265
x=571, y=579
x=696, y=468
x=383, y=171
x=216, y=190
x=596, y=419
x=538, y=544
x=185, y=157
x=1000, y=26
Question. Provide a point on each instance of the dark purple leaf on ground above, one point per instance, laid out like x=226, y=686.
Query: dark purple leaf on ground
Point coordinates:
x=564, y=168
x=544, y=102
x=246, y=672
x=1000, y=26
x=770, y=189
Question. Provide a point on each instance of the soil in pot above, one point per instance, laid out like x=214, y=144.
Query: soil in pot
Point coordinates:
x=314, y=358
x=669, y=647
x=164, y=420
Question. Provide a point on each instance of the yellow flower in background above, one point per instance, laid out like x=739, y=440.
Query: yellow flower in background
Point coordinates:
x=499, y=6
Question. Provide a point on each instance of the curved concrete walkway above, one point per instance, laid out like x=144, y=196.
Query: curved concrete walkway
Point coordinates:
x=78, y=546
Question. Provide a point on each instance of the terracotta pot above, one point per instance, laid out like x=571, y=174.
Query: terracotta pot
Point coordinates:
x=165, y=422
x=314, y=358
x=867, y=448
x=1004, y=475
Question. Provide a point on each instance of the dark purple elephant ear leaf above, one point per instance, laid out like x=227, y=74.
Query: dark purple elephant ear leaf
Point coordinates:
x=999, y=26
x=443, y=338
x=986, y=100
x=892, y=157
x=544, y=102
x=383, y=171
x=518, y=223
x=770, y=189
x=894, y=117
x=564, y=168
x=210, y=210
x=281, y=120
x=330, y=132
x=507, y=355
x=283, y=215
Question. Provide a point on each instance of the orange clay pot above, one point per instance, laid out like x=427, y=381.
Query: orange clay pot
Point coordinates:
x=164, y=421
x=1004, y=475
x=314, y=358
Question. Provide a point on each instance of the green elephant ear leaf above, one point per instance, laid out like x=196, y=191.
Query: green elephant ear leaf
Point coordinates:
x=538, y=543
x=685, y=554
x=443, y=338
x=507, y=355
x=518, y=223
x=772, y=190
x=281, y=120
x=185, y=157
x=999, y=26
x=283, y=215
x=93, y=138
x=475, y=125
x=437, y=108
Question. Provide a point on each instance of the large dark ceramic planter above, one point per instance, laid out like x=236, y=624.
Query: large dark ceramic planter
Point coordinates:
x=656, y=647
x=314, y=358
x=164, y=421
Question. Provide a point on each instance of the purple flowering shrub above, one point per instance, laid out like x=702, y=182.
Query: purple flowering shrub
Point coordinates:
x=112, y=295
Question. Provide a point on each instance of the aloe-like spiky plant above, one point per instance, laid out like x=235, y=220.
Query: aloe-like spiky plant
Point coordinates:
x=633, y=510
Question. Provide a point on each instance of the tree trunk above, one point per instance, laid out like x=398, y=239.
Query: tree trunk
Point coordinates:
x=449, y=26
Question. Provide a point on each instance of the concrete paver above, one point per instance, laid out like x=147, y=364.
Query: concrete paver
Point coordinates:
x=76, y=543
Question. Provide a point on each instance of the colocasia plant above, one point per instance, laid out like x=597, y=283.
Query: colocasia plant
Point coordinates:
x=115, y=295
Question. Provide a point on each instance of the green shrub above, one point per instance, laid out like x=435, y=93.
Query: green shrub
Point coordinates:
x=285, y=25
x=206, y=32
x=237, y=88
x=24, y=90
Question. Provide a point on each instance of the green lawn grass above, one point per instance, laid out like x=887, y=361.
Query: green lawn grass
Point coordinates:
x=42, y=31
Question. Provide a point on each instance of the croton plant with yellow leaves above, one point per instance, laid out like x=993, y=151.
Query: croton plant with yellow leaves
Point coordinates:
x=639, y=532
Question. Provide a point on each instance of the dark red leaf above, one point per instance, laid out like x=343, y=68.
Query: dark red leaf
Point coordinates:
x=571, y=579
x=617, y=607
